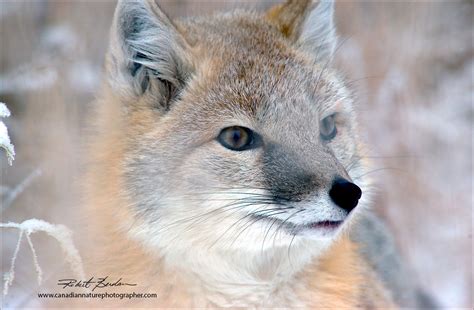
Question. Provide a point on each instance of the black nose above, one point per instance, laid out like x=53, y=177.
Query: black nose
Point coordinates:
x=345, y=194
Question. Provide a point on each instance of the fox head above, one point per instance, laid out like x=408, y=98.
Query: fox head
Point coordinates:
x=236, y=133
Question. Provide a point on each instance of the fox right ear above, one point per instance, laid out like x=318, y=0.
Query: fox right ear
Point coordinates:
x=308, y=23
x=146, y=52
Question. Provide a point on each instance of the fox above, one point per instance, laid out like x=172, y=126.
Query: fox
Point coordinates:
x=226, y=167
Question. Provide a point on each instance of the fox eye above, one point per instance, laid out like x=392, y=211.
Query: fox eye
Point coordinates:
x=327, y=128
x=236, y=138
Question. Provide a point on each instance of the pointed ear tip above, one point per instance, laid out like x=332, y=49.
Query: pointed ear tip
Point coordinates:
x=125, y=5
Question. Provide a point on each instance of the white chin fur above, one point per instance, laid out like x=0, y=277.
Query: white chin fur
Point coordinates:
x=205, y=233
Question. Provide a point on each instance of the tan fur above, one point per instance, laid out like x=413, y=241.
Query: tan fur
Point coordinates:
x=127, y=128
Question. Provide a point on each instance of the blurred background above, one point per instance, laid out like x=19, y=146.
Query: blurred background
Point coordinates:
x=409, y=63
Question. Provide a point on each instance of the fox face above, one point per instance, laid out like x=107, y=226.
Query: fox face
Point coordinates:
x=236, y=133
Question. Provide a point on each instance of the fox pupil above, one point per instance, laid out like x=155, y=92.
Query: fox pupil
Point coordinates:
x=236, y=137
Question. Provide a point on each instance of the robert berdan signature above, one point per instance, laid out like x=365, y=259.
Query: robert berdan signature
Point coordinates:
x=93, y=283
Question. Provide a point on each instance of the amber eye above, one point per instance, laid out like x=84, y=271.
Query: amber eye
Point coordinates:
x=327, y=128
x=236, y=138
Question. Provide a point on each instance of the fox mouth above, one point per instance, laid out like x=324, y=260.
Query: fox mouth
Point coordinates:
x=326, y=226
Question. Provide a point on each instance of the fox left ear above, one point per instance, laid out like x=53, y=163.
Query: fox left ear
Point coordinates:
x=310, y=25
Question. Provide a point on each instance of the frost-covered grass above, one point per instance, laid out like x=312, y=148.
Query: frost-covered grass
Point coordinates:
x=59, y=232
x=5, y=142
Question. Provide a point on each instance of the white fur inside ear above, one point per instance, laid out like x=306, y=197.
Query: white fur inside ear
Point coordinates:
x=318, y=34
x=145, y=47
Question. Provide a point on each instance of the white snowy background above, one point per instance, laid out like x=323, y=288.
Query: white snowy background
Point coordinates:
x=409, y=63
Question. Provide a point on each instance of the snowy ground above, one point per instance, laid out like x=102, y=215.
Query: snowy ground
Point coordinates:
x=410, y=65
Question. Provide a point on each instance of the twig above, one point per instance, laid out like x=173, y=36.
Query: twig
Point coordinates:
x=17, y=190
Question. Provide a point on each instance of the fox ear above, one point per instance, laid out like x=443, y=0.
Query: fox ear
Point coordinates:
x=146, y=52
x=310, y=25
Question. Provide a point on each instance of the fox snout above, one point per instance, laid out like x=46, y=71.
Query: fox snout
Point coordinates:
x=305, y=178
x=345, y=194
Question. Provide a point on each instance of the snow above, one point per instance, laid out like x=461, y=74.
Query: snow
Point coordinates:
x=5, y=142
x=28, y=78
